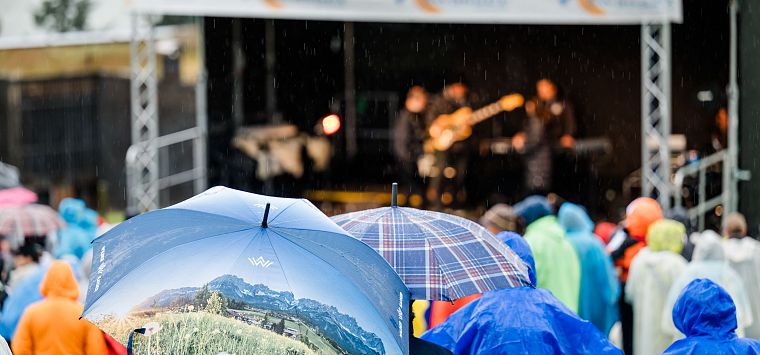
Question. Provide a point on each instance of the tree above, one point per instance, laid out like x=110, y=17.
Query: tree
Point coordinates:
x=217, y=304
x=201, y=298
x=279, y=328
x=63, y=15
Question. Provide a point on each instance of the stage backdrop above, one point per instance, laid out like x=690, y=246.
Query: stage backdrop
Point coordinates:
x=448, y=11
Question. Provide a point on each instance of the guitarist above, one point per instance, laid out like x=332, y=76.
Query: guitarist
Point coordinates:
x=550, y=122
x=448, y=184
x=409, y=133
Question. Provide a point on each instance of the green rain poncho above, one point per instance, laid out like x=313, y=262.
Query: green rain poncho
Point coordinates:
x=557, y=266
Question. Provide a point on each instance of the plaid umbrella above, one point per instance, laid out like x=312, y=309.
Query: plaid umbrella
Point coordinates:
x=17, y=222
x=439, y=256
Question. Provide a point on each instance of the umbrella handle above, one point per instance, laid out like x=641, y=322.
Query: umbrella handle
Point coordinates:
x=131, y=336
x=394, y=195
x=264, y=223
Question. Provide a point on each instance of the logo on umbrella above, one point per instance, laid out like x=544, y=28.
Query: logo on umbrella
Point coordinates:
x=260, y=261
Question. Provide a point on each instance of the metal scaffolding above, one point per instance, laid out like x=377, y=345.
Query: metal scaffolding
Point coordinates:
x=655, y=112
x=144, y=182
x=142, y=157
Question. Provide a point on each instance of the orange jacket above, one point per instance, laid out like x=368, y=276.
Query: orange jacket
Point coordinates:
x=624, y=264
x=52, y=326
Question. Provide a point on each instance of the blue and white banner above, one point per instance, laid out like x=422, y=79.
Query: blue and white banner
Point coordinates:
x=447, y=11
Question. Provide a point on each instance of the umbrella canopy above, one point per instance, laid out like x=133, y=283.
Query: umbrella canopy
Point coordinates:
x=9, y=176
x=17, y=222
x=229, y=271
x=17, y=196
x=439, y=256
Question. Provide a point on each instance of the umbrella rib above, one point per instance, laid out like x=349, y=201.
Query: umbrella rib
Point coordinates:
x=159, y=254
x=287, y=237
x=470, y=275
x=284, y=275
x=283, y=211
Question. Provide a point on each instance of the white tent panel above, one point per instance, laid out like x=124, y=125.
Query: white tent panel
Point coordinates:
x=430, y=11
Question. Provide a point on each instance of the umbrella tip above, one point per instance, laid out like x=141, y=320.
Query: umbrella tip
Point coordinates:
x=394, y=195
x=264, y=223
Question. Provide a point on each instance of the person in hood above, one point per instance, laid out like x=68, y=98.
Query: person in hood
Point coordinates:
x=501, y=217
x=81, y=228
x=623, y=247
x=557, y=266
x=652, y=273
x=522, y=320
x=599, y=289
x=53, y=325
x=709, y=262
x=604, y=231
x=26, y=261
x=743, y=254
x=679, y=214
x=706, y=314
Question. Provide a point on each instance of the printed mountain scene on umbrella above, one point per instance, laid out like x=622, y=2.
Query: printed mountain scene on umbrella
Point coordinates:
x=230, y=315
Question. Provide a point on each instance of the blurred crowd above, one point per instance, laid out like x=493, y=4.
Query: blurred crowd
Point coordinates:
x=649, y=284
x=44, y=276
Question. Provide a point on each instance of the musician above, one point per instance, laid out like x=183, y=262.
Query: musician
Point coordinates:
x=447, y=185
x=550, y=123
x=409, y=133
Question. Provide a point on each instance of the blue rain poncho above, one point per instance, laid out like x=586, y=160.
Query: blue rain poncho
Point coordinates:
x=81, y=228
x=706, y=314
x=599, y=286
x=521, y=320
x=709, y=262
x=26, y=293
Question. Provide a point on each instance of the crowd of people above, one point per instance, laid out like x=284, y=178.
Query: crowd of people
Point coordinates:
x=44, y=284
x=647, y=285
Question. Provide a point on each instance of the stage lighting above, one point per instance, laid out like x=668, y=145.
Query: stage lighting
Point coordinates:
x=330, y=124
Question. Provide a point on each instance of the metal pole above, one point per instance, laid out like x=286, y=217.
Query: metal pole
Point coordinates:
x=238, y=68
x=665, y=121
x=646, y=186
x=350, y=89
x=142, y=186
x=271, y=61
x=731, y=166
x=200, y=153
x=656, y=112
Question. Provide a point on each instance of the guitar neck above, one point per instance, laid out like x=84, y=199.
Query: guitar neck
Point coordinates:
x=485, y=113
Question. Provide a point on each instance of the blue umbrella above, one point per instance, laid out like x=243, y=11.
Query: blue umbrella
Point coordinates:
x=229, y=271
x=439, y=256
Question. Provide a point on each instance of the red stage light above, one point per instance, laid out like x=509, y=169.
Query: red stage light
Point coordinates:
x=330, y=124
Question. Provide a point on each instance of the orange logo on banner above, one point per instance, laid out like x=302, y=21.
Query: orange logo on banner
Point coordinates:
x=275, y=4
x=426, y=6
x=590, y=7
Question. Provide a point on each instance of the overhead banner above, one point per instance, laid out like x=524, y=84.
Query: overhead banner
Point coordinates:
x=427, y=11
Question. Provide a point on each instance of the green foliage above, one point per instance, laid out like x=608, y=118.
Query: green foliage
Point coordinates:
x=217, y=304
x=201, y=298
x=205, y=333
x=236, y=304
x=63, y=15
x=279, y=327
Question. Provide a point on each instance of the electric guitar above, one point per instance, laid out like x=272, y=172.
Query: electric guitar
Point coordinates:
x=457, y=126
